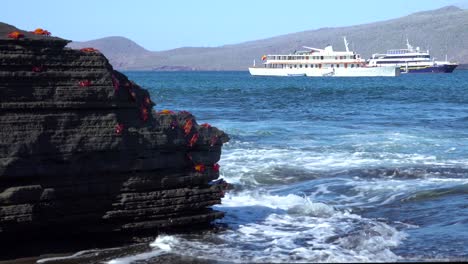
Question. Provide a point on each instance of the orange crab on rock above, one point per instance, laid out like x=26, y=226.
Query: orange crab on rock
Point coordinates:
x=15, y=35
x=89, y=50
x=199, y=167
x=166, y=112
x=40, y=31
x=188, y=126
x=144, y=114
x=193, y=140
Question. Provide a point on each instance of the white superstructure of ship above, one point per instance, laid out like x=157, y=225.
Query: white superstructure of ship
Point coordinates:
x=315, y=62
x=411, y=60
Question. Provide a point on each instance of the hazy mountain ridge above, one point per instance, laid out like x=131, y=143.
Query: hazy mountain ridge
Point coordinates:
x=442, y=31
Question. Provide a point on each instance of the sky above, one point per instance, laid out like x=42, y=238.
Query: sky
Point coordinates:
x=162, y=25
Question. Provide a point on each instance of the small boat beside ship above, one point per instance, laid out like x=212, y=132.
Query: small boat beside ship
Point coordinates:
x=326, y=62
x=411, y=60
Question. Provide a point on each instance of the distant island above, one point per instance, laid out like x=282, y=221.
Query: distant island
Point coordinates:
x=442, y=31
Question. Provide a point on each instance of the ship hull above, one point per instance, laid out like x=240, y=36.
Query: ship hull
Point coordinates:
x=330, y=72
x=446, y=68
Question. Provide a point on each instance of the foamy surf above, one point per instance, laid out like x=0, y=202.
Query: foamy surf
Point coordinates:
x=253, y=165
x=271, y=228
x=162, y=245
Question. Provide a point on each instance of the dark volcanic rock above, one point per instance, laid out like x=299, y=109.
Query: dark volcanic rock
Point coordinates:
x=82, y=150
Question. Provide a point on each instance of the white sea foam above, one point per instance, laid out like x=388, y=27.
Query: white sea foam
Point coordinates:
x=374, y=192
x=246, y=165
x=272, y=228
x=162, y=245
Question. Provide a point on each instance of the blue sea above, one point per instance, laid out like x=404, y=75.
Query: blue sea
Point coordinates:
x=329, y=169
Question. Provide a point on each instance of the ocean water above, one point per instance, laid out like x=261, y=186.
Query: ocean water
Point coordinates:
x=329, y=169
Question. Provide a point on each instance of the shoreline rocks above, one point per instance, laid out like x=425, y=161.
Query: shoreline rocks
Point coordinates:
x=83, y=151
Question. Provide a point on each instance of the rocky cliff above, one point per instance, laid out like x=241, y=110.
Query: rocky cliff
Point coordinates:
x=83, y=151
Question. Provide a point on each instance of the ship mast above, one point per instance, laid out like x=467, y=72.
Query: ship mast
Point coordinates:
x=346, y=44
x=410, y=48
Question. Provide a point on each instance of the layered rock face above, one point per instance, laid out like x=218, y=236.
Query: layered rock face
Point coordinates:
x=82, y=150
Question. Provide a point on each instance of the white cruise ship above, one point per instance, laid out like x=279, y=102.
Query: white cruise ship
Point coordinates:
x=412, y=60
x=320, y=62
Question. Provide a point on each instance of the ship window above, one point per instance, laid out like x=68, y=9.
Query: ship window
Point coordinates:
x=337, y=65
x=295, y=66
x=290, y=67
x=321, y=57
x=307, y=66
x=300, y=66
x=352, y=65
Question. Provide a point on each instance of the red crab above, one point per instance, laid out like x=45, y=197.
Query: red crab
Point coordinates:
x=144, y=114
x=15, y=35
x=40, y=31
x=193, y=140
x=89, y=50
x=199, y=167
x=188, y=126
x=216, y=167
x=85, y=83
x=119, y=129
x=206, y=125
